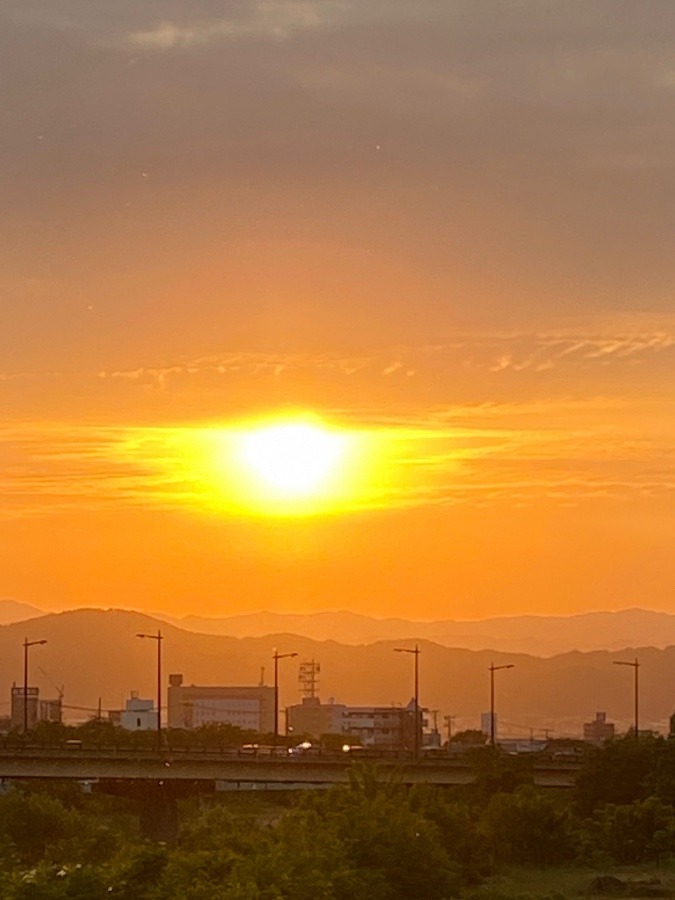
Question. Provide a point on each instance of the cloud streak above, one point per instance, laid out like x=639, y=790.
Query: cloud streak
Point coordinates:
x=516, y=352
x=267, y=19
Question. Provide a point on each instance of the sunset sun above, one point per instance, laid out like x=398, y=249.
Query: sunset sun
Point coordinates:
x=291, y=466
x=293, y=459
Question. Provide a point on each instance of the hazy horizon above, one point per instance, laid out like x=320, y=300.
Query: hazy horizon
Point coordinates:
x=243, y=613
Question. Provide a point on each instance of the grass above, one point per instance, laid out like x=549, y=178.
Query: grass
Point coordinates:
x=567, y=883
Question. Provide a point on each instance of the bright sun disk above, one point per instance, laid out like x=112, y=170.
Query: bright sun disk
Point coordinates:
x=294, y=459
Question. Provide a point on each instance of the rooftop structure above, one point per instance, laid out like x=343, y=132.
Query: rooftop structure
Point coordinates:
x=599, y=730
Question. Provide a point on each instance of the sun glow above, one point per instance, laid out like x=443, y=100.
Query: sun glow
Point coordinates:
x=293, y=459
x=288, y=467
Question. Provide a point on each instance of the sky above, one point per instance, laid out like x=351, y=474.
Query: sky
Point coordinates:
x=440, y=229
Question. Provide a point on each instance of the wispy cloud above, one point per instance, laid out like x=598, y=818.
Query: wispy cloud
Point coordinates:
x=494, y=353
x=271, y=19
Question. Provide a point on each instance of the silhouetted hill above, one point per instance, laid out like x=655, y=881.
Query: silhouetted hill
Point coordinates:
x=95, y=653
x=540, y=635
x=14, y=611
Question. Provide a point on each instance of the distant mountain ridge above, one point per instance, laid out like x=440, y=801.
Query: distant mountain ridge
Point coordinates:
x=14, y=611
x=95, y=653
x=540, y=635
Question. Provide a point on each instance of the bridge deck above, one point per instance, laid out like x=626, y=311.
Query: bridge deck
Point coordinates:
x=92, y=765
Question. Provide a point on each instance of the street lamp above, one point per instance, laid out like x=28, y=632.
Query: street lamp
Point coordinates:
x=276, y=657
x=634, y=665
x=26, y=645
x=416, y=653
x=157, y=637
x=493, y=669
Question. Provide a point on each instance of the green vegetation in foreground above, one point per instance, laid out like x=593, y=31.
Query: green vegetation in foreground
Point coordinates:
x=573, y=882
x=497, y=839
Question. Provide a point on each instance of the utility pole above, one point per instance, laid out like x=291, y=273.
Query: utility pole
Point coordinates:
x=418, y=724
x=276, y=657
x=493, y=669
x=26, y=645
x=157, y=637
x=448, y=720
x=635, y=665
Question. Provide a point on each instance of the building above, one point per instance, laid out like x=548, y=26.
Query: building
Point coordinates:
x=250, y=708
x=37, y=710
x=599, y=730
x=138, y=714
x=383, y=727
x=314, y=718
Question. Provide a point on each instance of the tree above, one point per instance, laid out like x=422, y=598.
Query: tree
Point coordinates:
x=528, y=826
x=474, y=737
x=617, y=773
x=639, y=832
x=31, y=822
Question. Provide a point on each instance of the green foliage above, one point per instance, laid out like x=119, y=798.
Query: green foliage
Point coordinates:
x=29, y=823
x=661, y=777
x=141, y=873
x=474, y=737
x=528, y=826
x=642, y=831
x=458, y=823
x=102, y=733
x=495, y=772
x=619, y=772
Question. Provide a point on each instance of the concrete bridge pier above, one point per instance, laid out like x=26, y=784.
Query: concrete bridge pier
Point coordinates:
x=156, y=802
x=158, y=811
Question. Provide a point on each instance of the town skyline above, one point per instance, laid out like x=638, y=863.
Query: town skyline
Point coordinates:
x=557, y=694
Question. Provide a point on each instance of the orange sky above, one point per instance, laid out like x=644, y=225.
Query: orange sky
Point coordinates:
x=445, y=227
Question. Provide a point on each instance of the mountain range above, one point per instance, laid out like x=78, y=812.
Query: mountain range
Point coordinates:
x=538, y=635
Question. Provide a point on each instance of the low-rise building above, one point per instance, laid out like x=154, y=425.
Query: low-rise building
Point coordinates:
x=250, y=708
x=384, y=727
x=36, y=710
x=599, y=730
x=139, y=714
x=314, y=718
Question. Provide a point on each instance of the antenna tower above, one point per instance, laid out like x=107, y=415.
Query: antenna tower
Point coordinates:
x=308, y=676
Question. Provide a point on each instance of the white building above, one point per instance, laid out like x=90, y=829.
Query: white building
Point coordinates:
x=139, y=714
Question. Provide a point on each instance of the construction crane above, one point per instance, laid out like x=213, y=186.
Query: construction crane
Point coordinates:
x=59, y=690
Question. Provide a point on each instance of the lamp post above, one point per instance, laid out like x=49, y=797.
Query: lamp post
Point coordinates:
x=416, y=653
x=276, y=656
x=493, y=669
x=157, y=637
x=26, y=645
x=635, y=665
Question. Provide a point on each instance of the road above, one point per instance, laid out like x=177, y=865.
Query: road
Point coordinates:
x=230, y=766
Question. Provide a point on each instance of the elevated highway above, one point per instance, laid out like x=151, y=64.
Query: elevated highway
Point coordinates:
x=231, y=766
